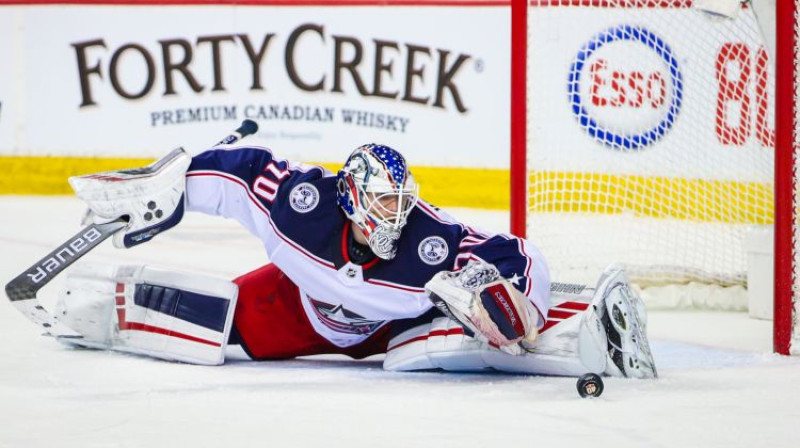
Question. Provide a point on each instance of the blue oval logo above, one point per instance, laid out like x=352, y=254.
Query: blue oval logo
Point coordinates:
x=643, y=91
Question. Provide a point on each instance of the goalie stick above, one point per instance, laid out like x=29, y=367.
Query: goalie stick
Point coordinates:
x=22, y=290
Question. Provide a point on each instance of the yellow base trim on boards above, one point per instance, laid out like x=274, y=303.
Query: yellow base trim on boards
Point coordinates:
x=549, y=191
x=441, y=186
x=48, y=175
x=459, y=187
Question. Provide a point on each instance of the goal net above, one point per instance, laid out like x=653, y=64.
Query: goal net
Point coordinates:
x=648, y=137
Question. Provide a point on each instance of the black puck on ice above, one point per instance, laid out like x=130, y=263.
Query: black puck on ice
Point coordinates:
x=590, y=385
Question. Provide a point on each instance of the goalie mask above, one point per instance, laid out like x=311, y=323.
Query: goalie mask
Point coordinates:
x=377, y=192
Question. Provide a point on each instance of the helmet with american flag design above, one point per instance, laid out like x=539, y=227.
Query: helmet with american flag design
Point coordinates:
x=377, y=192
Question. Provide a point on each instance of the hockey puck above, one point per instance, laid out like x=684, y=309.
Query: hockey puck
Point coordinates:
x=590, y=385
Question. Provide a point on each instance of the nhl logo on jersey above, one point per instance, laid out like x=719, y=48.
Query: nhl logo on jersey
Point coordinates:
x=304, y=198
x=433, y=250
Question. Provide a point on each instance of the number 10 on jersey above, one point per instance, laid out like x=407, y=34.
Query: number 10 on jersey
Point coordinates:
x=266, y=185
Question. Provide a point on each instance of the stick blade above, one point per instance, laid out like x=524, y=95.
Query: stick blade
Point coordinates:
x=24, y=299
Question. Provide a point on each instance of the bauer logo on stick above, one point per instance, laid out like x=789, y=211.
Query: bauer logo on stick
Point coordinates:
x=625, y=87
x=63, y=254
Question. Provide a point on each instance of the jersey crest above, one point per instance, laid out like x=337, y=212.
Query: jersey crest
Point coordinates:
x=433, y=250
x=304, y=198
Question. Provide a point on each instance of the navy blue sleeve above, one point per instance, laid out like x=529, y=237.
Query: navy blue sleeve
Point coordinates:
x=254, y=168
x=245, y=184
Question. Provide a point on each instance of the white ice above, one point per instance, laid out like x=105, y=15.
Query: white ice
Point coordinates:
x=720, y=386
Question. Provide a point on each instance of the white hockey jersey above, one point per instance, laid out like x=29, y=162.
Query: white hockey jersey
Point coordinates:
x=293, y=209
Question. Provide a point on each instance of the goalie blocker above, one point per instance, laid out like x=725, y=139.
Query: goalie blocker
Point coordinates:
x=148, y=311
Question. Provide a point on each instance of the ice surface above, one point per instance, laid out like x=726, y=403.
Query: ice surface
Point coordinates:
x=719, y=385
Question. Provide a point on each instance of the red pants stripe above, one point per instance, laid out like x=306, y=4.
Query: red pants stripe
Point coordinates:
x=273, y=325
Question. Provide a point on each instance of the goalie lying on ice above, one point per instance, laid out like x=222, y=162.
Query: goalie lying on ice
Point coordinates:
x=360, y=266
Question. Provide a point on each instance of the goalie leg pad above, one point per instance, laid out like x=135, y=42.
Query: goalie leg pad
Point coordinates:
x=149, y=311
x=622, y=315
x=440, y=344
x=443, y=344
x=592, y=342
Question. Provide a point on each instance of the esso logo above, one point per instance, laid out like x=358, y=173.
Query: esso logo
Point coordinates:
x=625, y=87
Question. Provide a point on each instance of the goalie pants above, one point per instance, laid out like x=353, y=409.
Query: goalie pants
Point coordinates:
x=270, y=323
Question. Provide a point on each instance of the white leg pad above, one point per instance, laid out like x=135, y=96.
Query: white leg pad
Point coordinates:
x=149, y=311
x=440, y=344
x=443, y=345
x=535, y=363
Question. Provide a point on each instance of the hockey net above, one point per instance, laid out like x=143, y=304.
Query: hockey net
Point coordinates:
x=648, y=140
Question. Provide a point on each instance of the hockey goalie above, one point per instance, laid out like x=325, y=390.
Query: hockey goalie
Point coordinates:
x=359, y=266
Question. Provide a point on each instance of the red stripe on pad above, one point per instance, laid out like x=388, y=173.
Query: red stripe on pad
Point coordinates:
x=558, y=314
x=549, y=324
x=446, y=332
x=580, y=306
x=136, y=326
x=568, y=310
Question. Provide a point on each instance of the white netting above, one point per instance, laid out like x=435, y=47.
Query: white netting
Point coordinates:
x=650, y=135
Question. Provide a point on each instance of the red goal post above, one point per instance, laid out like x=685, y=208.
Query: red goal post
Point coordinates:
x=707, y=174
x=787, y=304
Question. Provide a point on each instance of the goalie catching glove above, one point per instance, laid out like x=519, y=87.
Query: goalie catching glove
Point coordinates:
x=151, y=199
x=482, y=301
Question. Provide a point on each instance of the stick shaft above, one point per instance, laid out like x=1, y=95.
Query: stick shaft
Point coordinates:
x=25, y=285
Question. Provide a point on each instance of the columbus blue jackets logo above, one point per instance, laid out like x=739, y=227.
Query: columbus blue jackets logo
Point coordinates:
x=433, y=250
x=341, y=320
x=304, y=198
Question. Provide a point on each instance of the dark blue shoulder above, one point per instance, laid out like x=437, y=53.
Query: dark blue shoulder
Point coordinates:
x=305, y=211
x=246, y=163
x=426, y=219
x=429, y=244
